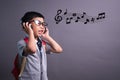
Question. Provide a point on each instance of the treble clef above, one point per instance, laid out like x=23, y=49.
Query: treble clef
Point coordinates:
x=58, y=18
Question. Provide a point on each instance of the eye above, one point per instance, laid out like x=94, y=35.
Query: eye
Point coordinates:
x=37, y=22
x=44, y=24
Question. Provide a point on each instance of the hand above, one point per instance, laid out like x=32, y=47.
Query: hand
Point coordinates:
x=46, y=34
x=27, y=27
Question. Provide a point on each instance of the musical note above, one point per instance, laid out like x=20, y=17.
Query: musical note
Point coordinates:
x=65, y=12
x=92, y=19
x=75, y=17
x=78, y=18
x=87, y=20
x=74, y=14
x=83, y=15
x=68, y=20
x=101, y=16
x=58, y=18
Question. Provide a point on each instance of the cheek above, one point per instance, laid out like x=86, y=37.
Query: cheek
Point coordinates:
x=34, y=30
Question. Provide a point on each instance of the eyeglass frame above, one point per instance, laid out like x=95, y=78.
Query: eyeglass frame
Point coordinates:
x=39, y=23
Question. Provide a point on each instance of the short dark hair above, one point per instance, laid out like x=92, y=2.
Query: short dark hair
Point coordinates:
x=30, y=15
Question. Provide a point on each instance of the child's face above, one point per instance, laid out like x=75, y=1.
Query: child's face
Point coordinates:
x=38, y=26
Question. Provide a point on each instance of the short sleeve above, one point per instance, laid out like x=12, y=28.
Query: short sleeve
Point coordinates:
x=48, y=49
x=21, y=45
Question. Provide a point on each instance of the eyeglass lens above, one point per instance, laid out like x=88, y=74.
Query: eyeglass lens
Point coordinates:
x=37, y=22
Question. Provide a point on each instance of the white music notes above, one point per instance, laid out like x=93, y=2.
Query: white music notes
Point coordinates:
x=77, y=17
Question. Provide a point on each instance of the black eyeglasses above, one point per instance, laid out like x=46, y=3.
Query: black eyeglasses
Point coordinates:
x=38, y=23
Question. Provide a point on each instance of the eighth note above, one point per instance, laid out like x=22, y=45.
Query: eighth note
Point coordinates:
x=83, y=15
x=78, y=18
x=65, y=12
x=87, y=20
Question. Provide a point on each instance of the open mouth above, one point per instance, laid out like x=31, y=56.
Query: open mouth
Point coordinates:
x=40, y=31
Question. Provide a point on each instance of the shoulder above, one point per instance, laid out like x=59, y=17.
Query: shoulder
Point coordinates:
x=21, y=42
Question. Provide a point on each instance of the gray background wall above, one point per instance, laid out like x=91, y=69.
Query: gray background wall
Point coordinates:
x=91, y=51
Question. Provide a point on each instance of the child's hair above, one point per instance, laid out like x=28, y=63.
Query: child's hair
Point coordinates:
x=30, y=15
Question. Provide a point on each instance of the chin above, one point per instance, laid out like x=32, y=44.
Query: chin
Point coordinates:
x=40, y=35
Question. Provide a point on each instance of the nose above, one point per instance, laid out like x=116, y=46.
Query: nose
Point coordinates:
x=42, y=27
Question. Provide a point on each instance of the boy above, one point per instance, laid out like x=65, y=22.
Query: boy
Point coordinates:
x=36, y=64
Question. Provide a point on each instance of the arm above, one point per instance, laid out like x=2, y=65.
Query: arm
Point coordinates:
x=31, y=44
x=55, y=47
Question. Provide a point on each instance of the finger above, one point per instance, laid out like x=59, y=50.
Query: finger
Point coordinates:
x=47, y=29
x=23, y=25
x=30, y=25
x=26, y=24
